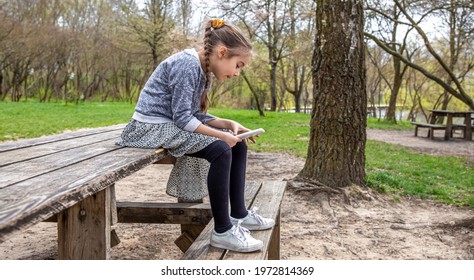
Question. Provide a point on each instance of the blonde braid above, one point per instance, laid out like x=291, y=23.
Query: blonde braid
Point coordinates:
x=207, y=53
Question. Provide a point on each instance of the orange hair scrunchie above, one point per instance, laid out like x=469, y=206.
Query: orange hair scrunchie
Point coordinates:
x=217, y=23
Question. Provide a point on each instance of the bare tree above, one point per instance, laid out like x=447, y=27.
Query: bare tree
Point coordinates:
x=456, y=89
x=294, y=67
x=458, y=19
x=415, y=84
x=385, y=24
x=376, y=64
x=185, y=12
x=258, y=91
x=267, y=22
x=151, y=25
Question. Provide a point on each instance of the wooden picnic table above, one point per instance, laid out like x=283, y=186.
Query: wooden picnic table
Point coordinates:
x=450, y=115
x=70, y=179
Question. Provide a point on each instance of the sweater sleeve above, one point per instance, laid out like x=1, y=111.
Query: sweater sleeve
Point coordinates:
x=184, y=81
x=204, y=118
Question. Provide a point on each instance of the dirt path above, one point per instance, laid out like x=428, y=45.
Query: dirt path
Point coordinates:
x=454, y=147
x=373, y=228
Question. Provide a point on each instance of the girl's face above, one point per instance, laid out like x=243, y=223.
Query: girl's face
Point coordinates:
x=225, y=67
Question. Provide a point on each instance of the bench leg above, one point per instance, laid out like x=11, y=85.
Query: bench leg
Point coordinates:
x=416, y=130
x=274, y=246
x=468, y=131
x=449, y=128
x=189, y=233
x=114, y=238
x=84, y=229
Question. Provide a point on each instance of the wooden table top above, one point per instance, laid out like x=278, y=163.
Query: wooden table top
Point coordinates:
x=44, y=176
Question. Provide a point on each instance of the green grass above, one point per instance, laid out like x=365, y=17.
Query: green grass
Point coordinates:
x=402, y=172
x=390, y=169
x=287, y=132
x=383, y=124
x=33, y=119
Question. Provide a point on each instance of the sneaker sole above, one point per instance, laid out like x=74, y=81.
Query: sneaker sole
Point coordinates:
x=240, y=250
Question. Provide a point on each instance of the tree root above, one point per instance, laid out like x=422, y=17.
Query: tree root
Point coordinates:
x=350, y=194
x=305, y=184
x=321, y=195
x=323, y=199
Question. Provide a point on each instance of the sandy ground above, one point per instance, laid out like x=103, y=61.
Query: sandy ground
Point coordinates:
x=375, y=227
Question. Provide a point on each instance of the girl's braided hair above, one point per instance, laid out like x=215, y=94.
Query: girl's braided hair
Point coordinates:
x=219, y=32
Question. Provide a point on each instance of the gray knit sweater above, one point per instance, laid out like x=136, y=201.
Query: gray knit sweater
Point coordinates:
x=173, y=93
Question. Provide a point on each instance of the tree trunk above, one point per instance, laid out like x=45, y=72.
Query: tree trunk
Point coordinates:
x=336, y=151
x=452, y=54
x=397, y=72
x=397, y=83
x=255, y=95
x=2, y=95
x=273, y=89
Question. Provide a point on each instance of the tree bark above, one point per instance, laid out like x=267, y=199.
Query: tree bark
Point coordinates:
x=336, y=151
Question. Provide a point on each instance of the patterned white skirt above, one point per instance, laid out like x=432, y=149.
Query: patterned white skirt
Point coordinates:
x=188, y=178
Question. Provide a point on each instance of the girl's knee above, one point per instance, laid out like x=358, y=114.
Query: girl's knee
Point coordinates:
x=219, y=150
x=240, y=147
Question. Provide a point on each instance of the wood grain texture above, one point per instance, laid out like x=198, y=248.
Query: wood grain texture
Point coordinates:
x=39, y=151
x=35, y=198
x=164, y=213
x=274, y=247
x=189, y=232
x=24, y=170
x=84, y=229
x=20, y=144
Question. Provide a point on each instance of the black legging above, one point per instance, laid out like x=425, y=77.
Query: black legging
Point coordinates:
x=226, y=180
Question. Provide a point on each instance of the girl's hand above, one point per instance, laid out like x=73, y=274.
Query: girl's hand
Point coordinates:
x=231, y=125
x=230, y=139
x=238, y=129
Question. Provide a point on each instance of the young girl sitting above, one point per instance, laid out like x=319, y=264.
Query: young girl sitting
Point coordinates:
x=172, y=113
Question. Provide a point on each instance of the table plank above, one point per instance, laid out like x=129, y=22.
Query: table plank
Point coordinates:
x=37, y=151
x=25, y=170
x=19, y=144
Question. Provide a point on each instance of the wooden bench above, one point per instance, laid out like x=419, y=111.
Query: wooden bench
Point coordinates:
x=256, y=193
x=70, y=179
x=267, y=196
x=431, y=128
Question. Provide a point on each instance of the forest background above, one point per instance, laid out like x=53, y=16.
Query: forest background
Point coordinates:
x=419, y=54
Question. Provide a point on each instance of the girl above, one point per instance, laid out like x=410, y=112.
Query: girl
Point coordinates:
x=172, y=113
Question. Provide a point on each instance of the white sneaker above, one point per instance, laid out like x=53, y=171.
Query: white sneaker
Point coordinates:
x=254, y=221
x=236, y=239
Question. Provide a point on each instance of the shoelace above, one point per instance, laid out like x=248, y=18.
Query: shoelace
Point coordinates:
x=240, y=232
x=257, y=217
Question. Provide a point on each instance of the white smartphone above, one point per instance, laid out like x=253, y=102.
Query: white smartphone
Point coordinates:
x=250, y=133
